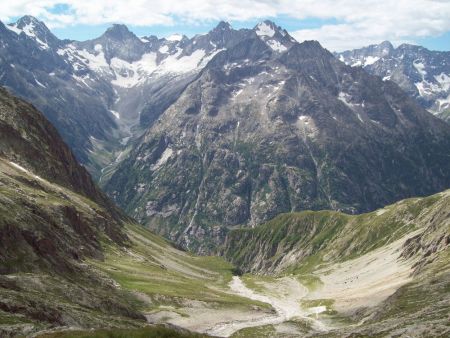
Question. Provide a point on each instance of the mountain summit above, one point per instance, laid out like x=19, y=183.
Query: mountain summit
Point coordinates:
x=36, y=30
x=276, y=37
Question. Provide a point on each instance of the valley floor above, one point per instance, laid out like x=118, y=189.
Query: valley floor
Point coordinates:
x=339, y=290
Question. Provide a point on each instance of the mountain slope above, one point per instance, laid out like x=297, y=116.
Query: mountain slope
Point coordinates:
x=110, y=88
x=29, y=140
x=48, y=227
x=423, y=74
x=379, y=274
x=69, y=259
x=33, y=69
x=260, y=132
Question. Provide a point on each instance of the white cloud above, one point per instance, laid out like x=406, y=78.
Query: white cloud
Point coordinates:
x=358, y=22
x=374, y=21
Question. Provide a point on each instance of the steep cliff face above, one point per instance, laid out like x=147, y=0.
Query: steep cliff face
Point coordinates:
x=28, y=139
x=263, y=131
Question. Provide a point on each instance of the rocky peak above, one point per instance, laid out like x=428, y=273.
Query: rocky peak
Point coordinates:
x=221, y=33
x=266, y=28
x=118, y=42
x=35, y=29
x=306, y=51
x=275, y=37
x=119, y=32
x=222, y=26
x=223, y=36
x=386, y=45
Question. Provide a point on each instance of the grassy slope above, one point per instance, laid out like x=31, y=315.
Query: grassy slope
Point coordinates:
x=167, y=275
x=46, y=233
x=147, y=332
x=325, y=236
x=93, y=282
x=318, y=240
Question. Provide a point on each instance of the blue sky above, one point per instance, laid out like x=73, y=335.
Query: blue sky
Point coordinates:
x=337, y=24
x=84, y=32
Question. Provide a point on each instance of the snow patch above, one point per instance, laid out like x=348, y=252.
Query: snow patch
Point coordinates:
x=98, y=48
x=370, y=60
x=163, y=159
x=185, y=64
x=444, y=81
x=116, y=114
x=264, y=29
x=175, y=37
x=443, y=104
x=96, y=62
x=13, y=28
x=164, y=49
x=39, y=83
x=276, y=45
x=128, y=74
x=420, y=67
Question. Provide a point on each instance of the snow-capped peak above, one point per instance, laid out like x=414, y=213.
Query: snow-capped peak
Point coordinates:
x=34, y=29
x=175, y=37
x=275, y=37
x=265, y=28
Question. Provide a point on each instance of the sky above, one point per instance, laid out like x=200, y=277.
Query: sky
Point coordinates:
x=337, y=24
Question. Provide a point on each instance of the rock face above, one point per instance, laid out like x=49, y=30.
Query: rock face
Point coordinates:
x=31, y=146
x=28, y=139
x=97, y=92
x=423, y=74
x=52, y=219
x=262, y=131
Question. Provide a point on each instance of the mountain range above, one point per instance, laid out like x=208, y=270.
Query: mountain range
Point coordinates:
x=421, y=73
x=195, y=136
x=72, y=265
x=289, y=162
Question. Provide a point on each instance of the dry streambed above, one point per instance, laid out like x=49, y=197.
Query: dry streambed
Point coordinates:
x=284, y=296
x=362, y=282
